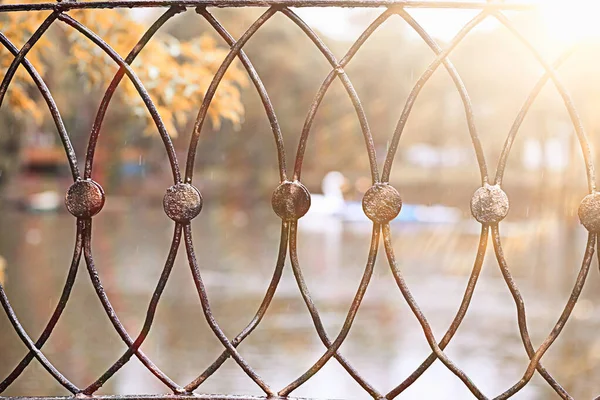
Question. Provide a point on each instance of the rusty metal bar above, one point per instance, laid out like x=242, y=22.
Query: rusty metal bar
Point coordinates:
x=163, y=397
x=466, y=5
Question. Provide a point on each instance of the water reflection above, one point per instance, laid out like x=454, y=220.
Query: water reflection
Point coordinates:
x=237, y=250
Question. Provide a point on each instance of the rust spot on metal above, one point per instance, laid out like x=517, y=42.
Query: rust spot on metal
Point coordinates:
x=589, y=212
x=85, y=198
x=182, y=202
x=291, y=200
x=489, y=204
x=382, y=203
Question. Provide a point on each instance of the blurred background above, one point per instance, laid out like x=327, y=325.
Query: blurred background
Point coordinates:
x=237, y=234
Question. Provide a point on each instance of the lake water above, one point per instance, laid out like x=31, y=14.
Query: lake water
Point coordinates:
x=237, y=249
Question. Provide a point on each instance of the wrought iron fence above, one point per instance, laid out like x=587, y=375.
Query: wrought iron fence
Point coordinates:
x=291, y=200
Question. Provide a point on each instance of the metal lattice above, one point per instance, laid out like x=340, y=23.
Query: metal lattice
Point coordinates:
x=291, y=200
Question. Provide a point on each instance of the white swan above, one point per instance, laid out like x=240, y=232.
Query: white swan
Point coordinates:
x=331, y=206
x=331, y=202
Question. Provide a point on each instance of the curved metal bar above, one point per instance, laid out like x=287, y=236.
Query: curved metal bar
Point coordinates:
x=260, y=88
x=314, y=107
x=441, y=58
x=575, y=119
x=110, y=311
x=523, y=113
x=19, y=59
x=387, y=241
x=314, y=313
x=32, y=347
x=521, y=315
x=460, y=87
x=138, y=85
x=43, y=88
x=214, y=326
x=264, y=306
x=498, y=180
x=484, y=230
x=150, y=313
x=577, y=123
x=95, y=133
x=464, y=306
x=360, y=112
x=535, y=358
x=360, y=293
x=255, y=78
x=210, y=92
x=60, y=307
x=12, y=69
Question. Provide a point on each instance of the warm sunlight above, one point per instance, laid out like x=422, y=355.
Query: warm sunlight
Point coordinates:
x=565, y=22
x=571, y=22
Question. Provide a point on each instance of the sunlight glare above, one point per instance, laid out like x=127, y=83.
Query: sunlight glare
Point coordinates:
x=571, y=21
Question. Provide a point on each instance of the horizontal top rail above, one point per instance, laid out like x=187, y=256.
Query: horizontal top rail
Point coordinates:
x=67, y=5
x=158, y=397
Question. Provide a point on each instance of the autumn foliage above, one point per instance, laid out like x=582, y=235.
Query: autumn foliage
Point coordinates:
x=176, y=73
